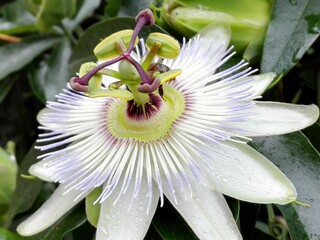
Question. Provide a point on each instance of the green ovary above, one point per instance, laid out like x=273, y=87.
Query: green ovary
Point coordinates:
x=146, y=129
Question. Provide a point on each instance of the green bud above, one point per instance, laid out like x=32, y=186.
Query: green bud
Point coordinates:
x=95, y=81
x=109, y=47
x=247, y=18
x=169, y=47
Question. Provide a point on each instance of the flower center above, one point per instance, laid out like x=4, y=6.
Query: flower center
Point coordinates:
x=147, y=122
x=145, y=109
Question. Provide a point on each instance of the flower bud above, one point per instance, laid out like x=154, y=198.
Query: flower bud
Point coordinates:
x=169, y=48
x=247, y=18
x=107, y=48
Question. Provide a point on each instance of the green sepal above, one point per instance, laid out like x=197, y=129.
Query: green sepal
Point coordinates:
x=93, y=210
x=116, y=93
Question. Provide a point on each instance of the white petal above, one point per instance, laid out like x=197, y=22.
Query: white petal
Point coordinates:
x=272, y=118
x=121, y=222
x=200, y=57
x=260, y=82
x=55, y=207
x=43, y=112
x=241, y=172
x=206, y=212
x=40, y=170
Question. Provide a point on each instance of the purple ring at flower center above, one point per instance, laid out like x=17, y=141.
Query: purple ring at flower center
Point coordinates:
x=144, y=111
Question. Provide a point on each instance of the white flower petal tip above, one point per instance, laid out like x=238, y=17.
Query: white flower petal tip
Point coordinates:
x=274, y=118
x=40, y=170
x=55, y=207
x=239, y=171
x=41, y=113
x=260, y=82
x=294, y=117
x=217, y=34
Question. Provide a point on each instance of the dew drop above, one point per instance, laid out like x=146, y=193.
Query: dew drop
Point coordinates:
x=192, y=218
x=104, y=230
x=298, y=54
x=141, y=208
x=224, y=179
x=293, y=2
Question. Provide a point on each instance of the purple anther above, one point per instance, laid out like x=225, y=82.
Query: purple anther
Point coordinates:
x=144, y=18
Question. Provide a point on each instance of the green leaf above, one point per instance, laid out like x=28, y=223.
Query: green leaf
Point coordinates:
x=8, y=173
x=313, y=134
x=65, y=224
x=50, y=75
x=57, y=74
x=26, y=189
x=83, y=51
x=86, y=10
x=297, y=158
x=5, y=87
x=296, y=228
x=7, y=235
x=15, y=56
x=16, y=19
x=133, y=7
x=294, y=26
x=36, y=76
x=51, y=12
x=112, y=7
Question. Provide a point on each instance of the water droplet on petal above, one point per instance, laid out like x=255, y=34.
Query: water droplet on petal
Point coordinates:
x=104, y=230
x=293, y=2
x=298, y=54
